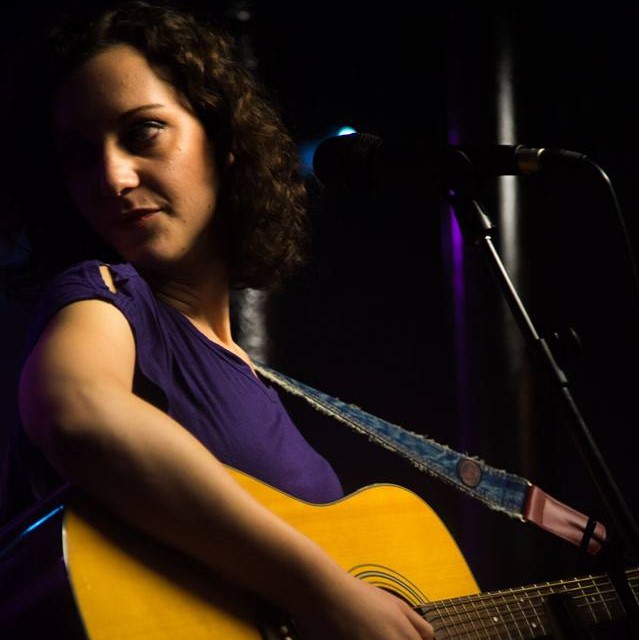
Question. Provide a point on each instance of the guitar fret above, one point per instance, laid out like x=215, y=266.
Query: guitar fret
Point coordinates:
x=468, y=626
x=598, y=600
x=514, y=619
x=521, y=614
x=531, y=610
x=465, y=626
x=601, y=599
x=500, y=614
x=483, y=623
x=497, y=620
x=470, y=608
x=589, y=599
x=470, y=619
x=472, y=622
x=532, y=625
x=592, y=599
x=450, y=619
x=476, y=615
x=545, y=619
x=456, y=618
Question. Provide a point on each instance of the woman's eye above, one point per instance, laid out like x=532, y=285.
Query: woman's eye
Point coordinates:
x=144, y=132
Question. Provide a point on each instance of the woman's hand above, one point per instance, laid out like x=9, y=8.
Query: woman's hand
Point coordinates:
x=357, y=610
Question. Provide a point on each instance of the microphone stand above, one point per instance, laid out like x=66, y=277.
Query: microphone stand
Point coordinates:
x=477, y=230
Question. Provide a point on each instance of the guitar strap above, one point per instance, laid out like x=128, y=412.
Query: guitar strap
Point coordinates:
x=497, y=489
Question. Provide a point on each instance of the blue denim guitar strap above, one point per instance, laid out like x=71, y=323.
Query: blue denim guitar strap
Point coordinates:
x=501, y=491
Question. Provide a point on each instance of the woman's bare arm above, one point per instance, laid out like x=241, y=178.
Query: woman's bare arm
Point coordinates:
x=77, y=404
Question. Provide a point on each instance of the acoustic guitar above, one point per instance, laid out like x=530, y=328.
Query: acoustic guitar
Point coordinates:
x=127, y=586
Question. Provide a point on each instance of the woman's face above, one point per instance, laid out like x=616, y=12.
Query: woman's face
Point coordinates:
x=136, y=161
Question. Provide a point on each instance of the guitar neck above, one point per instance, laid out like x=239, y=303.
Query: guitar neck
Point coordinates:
x=522, y=613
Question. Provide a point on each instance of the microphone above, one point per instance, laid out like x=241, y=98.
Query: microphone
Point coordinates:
x=361, y=161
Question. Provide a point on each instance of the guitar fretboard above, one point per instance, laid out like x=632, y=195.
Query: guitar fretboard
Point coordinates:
x=521, y=614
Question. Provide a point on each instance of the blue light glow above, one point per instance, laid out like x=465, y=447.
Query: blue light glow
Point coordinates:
x=344, y=131
x=4, y=552
x=42, y=520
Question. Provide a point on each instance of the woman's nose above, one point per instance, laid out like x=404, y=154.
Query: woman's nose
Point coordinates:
x=118, y=172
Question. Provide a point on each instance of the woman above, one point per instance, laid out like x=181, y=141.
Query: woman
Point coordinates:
x=135, y=390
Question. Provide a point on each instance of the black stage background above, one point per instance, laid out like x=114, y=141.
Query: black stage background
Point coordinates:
x=375, y=317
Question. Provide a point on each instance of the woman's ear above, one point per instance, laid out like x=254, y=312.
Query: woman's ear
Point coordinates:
x=229, y=160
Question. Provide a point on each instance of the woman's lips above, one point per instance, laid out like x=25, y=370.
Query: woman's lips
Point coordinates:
x=137, y=217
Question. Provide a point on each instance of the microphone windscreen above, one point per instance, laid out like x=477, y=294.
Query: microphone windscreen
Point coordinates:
x=348, y=161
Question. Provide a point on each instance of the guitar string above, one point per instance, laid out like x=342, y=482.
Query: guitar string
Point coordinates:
x=487, y=634
x=502, y=607
x=503, y=623
x=499, y=619
x=480, y=602
x=479, y=598
x=550, y=588
x=461, y=630
x=516, y=627
x=592, y=583
x=521, y=611
x=601, y=599
x=497, y=624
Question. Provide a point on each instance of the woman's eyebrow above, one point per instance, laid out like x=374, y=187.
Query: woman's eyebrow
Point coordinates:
x=143, y=107
x=65, y=130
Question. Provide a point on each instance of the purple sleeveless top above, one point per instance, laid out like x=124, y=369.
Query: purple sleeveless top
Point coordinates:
x=207, y=389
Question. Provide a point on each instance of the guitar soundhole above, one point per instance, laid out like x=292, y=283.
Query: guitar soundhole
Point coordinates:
x=392, y=581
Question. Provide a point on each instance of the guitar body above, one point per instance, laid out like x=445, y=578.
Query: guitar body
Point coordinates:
x=71, y=569
x=127, y=586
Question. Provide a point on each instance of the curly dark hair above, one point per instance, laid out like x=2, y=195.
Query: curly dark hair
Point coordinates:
x=262, y=201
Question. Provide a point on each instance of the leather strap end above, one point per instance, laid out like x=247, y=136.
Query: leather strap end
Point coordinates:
x=567, y=523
